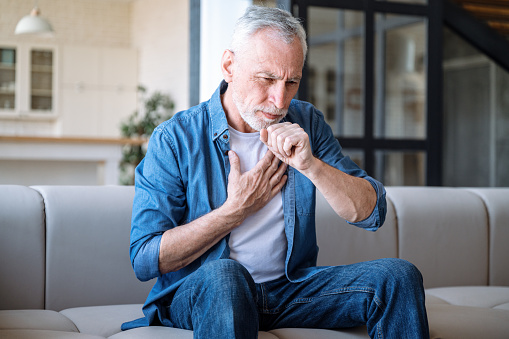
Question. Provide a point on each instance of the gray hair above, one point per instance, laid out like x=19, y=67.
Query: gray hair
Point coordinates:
x=257, y=18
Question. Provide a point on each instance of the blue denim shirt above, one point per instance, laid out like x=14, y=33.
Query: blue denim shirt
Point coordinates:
x=184, y=175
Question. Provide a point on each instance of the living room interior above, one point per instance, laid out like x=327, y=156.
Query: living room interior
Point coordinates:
x=416, y=92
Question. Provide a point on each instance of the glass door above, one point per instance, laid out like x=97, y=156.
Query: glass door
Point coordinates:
x=7, y=78
x=41, y=91
x=368, y=71
x=335, y=70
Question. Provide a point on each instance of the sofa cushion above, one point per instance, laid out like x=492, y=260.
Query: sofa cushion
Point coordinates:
x=102, y=320
x=35, y=320
x=87, y=257
x=159, y=332
x=22, y=248
x=44, y=334
x=466, y=322
x=307, y=333
x=444, y=232
x=474, y=296
x=497, y=202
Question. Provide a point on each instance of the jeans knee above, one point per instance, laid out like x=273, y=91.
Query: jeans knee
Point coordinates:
x=226, y=276
x=402, y=271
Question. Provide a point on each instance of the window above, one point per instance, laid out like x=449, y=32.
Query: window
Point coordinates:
x=370, y=67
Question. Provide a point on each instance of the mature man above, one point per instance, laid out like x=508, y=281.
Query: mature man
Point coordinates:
x=223, y=214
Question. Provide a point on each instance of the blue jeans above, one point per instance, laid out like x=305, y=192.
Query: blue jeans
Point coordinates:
x=221, y=300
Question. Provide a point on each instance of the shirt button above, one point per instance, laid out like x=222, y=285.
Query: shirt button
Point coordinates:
x=225, y=136
x=225, y=152
x=215, y=134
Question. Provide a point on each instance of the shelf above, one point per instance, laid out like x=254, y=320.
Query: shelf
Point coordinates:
x=7, y=67
x=41, y=92
x=42, y=69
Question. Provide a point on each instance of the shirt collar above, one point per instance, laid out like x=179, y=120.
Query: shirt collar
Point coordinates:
x=217, y=115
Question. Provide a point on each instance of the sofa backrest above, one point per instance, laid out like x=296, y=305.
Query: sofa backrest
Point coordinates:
x=64, y=246
x=341, y=243
x=87, y=253
x=444, y=232
x=22, y=249
x=455, y=236
x=496, y=201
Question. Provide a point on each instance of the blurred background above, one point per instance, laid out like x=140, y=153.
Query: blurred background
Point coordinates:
x=416, y=91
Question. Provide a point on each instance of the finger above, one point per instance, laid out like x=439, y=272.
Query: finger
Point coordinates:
x=276, y=177
x=234, y=162
x=291, y=138
x=273, y=167
x=283, y=142
x=287, y=146
x=274, y=130
x=264, y=136
x=279, y=186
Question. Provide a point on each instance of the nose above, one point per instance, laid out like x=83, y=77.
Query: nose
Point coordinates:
x=278, y=94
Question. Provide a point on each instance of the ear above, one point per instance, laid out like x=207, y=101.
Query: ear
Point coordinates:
x=227, y=65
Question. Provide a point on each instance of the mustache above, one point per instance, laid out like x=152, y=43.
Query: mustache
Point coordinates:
x=271, y=110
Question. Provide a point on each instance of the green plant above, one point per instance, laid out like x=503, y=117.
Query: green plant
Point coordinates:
x=154, y=109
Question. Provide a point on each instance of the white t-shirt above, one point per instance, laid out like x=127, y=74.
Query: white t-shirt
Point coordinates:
x=259, y=243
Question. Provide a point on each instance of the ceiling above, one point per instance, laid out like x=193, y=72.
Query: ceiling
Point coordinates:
x=495, y=13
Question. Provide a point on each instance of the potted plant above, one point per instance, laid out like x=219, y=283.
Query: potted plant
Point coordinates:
x=154, y=109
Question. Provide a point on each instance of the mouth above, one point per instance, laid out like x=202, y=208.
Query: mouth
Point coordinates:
x=270, y=116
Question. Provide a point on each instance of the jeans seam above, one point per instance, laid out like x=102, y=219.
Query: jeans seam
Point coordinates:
x=324, y=294
x=264, y=298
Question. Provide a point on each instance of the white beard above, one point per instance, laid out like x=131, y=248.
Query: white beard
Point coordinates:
x=248, y=114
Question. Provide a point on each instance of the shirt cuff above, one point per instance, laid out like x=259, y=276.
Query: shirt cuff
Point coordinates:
x=377, y=217
x=146, y=263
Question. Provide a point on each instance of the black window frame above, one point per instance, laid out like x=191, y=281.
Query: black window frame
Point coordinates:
x=432, y=144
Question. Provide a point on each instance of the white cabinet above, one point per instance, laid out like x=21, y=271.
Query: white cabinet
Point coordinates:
x=78, y=91
x=98, y=90
x=28, y=83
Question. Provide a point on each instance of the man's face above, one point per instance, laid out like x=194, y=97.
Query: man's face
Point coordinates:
x=265, y=79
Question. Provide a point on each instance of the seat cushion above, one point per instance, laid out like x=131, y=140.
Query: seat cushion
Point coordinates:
x=466, y=322
x=473, y=296
x=102, y=320
x=44, y=334
x=307, y=333
x=468, y=312
x=35, y=320
x=159, y=332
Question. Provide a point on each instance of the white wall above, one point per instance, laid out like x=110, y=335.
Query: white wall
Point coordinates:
x=160, y=32
x=77, y=22
x=218, y=18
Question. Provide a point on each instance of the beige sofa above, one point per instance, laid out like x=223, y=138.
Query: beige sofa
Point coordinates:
x=65, y=270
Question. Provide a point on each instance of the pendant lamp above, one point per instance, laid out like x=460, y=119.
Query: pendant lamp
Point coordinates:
x=34, y=24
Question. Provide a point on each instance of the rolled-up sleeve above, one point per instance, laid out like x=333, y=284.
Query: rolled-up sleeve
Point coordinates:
x=377, y=217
